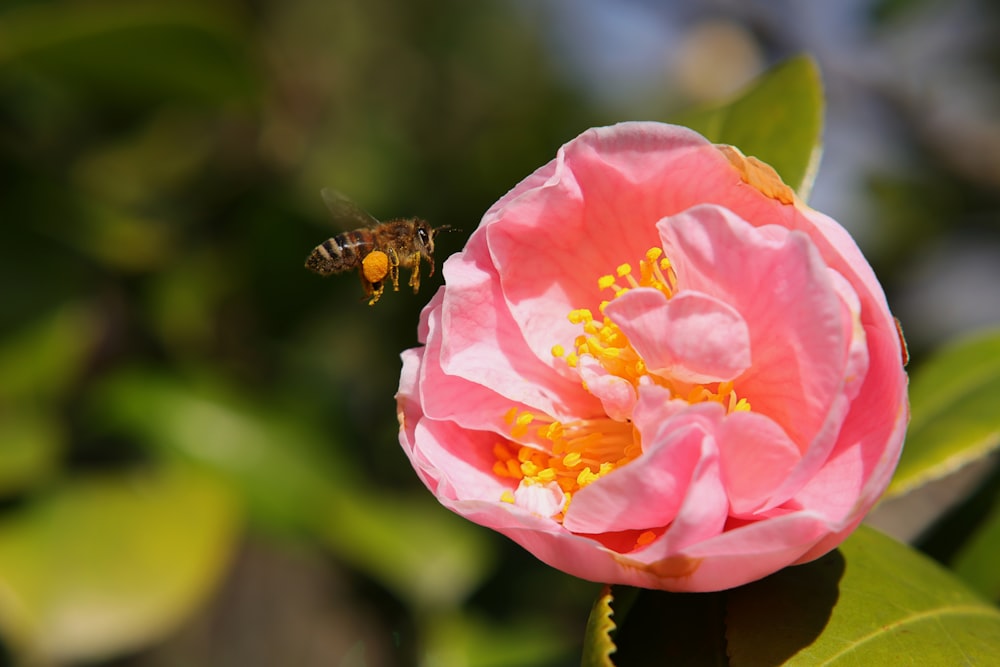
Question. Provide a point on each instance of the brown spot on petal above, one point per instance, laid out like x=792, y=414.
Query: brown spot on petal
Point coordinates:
x=902, y=341
x=759, y=175
x=672, y=567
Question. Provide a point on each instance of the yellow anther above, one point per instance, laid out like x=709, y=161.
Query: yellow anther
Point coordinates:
x=558, y=350
x=585, y=477
x=653, y=254
x=529, y=469
x=507, y=496
x=572, y=459
x=623, y=269
x=520, y=428
x=604, y=282
x=509, y=415
x=546, y=475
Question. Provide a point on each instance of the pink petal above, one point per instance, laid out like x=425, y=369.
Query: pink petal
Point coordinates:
x=756, y=457
x=777, y=282
x=484, y=346
x=645, y=493
x=616, y=394
x=592, y=208
x=692, y=337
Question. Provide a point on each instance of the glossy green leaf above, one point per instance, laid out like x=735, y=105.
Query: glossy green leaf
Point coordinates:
x=145, y=49
x=953, y=401
x=778, y=119
x=103, y=564
x=867, y=603
x=871, y=602
x=597, y=642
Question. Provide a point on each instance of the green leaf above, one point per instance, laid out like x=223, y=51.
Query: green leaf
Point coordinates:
x=30, y=444
x=472, y=641
x=274, y=461
x=777, y=119
x=151, y=50
x=427, y=555
x=597, y=643
x=869, y=603
x=955, y=420
x=291, y=477
x=41, y=360
x=105, y=564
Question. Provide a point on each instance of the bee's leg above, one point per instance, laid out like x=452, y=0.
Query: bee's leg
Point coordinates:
x=415, y=275
x=373, y=290
x=394, y=268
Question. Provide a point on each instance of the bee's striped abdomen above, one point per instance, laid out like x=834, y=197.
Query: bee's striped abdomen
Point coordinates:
x=340, y=253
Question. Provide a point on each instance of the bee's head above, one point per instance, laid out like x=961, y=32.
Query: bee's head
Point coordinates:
x=426, y=235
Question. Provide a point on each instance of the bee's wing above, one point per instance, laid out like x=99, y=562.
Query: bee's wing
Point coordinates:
x=346, y=214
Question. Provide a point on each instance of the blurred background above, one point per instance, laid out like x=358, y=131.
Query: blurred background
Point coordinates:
x=198, y=453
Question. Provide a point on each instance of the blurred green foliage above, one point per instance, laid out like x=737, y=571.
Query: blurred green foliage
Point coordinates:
x=162, y=163
x=177, y=393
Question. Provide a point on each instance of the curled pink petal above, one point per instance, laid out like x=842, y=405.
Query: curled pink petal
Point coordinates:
x=645, y=370
x=693, y=337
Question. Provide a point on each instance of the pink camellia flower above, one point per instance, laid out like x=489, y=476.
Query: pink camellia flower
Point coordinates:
x=653, y=365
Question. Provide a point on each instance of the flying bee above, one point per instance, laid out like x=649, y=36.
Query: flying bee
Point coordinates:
x=376, y=249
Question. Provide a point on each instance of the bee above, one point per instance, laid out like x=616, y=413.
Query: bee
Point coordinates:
x=376, y=249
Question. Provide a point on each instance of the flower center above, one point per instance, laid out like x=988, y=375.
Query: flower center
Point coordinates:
x=565, y=457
